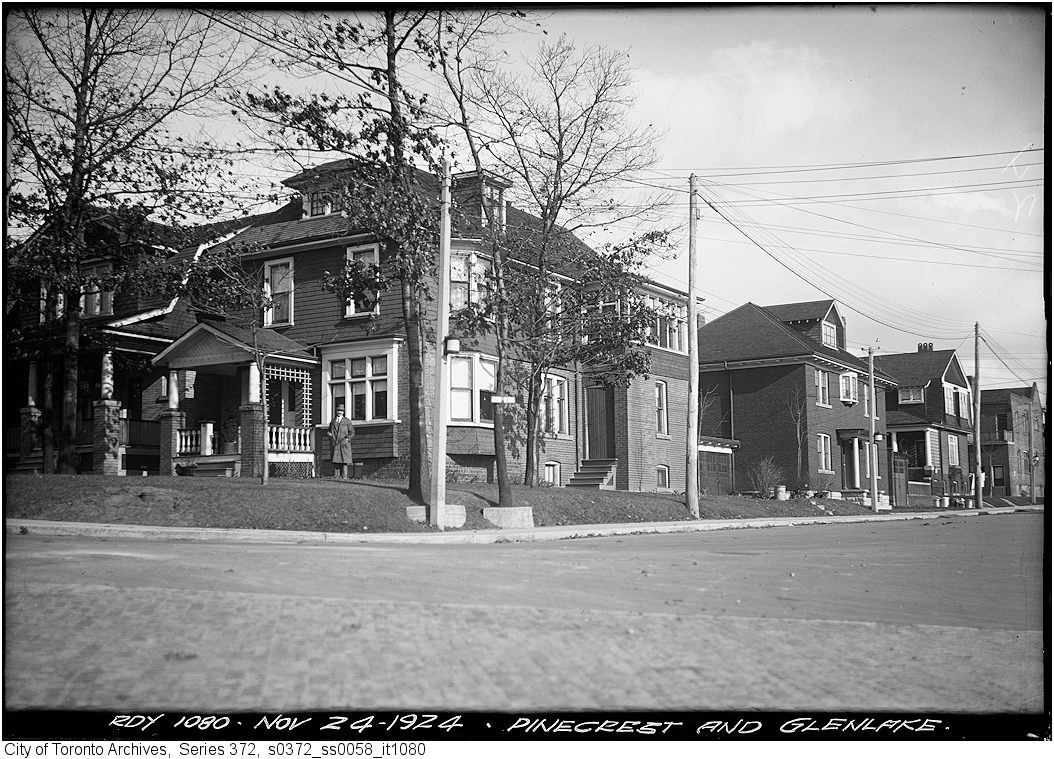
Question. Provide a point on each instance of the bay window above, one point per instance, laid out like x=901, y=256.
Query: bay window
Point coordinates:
x=847, y=385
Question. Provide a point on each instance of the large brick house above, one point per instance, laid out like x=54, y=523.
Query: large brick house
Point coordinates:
x=777, y=383
x=1013, y=443
x=929, y=419
x=201, y=409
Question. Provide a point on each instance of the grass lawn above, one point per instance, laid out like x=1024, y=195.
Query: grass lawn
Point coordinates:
x=358, y=506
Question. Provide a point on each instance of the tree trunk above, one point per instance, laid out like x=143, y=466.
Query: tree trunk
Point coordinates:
x=47, y=417
x=68, y=436
x=534, y=429
x=420, y=471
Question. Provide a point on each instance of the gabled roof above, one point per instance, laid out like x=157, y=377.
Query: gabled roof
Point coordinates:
x=238, y=339
x=809, y=311
x=916, y=369
x=752, y=333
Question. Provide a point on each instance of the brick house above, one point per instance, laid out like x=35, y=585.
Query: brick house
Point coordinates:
x=1013, y=442
x=929, y=419
x=201, y=381
x=777, y=382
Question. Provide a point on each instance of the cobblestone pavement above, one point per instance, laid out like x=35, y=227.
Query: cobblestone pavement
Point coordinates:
x=201, y=642
x=204, y=650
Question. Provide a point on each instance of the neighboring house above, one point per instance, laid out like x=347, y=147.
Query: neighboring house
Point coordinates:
x=929, y=419
x=201, y=380
x=1013, y=442
x=777, y=382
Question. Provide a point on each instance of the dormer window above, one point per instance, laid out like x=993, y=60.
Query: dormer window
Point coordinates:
x=318, y=203
x=321, y=203
x=830, y=335
x=910, y=395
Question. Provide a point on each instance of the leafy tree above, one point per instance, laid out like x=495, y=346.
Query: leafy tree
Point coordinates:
x=91, y=97
x=379, y=125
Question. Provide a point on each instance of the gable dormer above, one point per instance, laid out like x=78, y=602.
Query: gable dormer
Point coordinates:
x=466, y=192
x=320, y=189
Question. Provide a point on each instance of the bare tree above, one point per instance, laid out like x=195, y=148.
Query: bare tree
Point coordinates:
x=797, y=410
x=562, y=133
x=92, y=95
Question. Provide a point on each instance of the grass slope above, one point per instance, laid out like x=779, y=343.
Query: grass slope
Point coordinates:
x=358, y=506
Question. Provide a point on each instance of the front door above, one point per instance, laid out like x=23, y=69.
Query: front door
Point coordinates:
x=600, y=413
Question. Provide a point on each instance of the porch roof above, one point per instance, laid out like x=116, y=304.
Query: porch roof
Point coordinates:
x=208, y=343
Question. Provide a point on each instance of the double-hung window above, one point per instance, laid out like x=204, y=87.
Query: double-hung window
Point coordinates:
x=362, y=382
x=823, y=397
x=953, y=450
x=662, y=477
x=278, y=287
x=471, y=389
x=468, y=281
x=847, y=387
x=830, y=335
x=949, y=400
x=965, y=407
x=95, y=301
x=823, y=452
x=662, y=421
x=669, y=327
x=554, y=405
x=364, y=303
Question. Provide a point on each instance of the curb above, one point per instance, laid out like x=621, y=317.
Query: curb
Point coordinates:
x=517, y=535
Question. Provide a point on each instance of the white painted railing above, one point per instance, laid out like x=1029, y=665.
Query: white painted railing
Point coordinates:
x=294, y=439
x=188, y=441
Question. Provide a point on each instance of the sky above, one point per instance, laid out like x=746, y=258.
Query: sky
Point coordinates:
x=891, y=157
x=922, y=248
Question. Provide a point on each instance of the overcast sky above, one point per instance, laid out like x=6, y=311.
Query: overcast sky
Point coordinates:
x=912, y=259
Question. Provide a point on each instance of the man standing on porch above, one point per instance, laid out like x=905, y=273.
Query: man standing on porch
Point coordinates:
x=340, y=434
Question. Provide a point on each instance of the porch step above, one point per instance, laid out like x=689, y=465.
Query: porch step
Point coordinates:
x=206, y=468
x=596, y=474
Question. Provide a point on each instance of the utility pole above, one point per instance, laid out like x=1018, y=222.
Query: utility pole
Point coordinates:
x=437, y=505
x=977, y=473
x=691, y=473
x=1031, y=452
x=873, y=453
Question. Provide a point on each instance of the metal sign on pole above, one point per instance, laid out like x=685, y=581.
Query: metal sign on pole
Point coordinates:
x=440, y=408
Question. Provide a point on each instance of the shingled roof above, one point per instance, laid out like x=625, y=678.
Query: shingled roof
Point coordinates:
x=916, y=369
x=809, y=311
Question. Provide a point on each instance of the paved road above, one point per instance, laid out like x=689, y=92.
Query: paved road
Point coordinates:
x=937, y=615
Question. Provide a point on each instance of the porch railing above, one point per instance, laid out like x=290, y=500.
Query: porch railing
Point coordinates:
x=292, y=439
x=188, y=441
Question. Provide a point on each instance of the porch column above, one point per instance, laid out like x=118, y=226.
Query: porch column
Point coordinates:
x=107, y=376
x=172, y=420
x=856, y=463
x=32, y=385
x=106, y=436
x=254, y=383
x=929, y=449
x=173, y=390
x=254, y=437
x=893, y=437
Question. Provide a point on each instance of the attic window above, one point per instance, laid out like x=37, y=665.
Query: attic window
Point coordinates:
x=830, y=335
x=910, y=395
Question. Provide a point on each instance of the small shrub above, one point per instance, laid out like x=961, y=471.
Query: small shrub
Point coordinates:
x=765, y=476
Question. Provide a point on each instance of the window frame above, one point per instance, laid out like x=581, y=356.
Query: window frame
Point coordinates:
x=826, y=328
x=823, y=451
x=662, y=469
x=481, y=404
x=268, y=314
x=904, y=400
x=555, y=408
x=367, y=352
x=822, y=385
x=662, y=409
x=953, y=445
x=669, y=329
x=102, y=299
x=350, y=307
x=850, y=380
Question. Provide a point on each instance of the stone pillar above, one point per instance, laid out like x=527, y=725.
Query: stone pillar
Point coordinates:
x=254, y=437
x=172, y=420
x=29, y=439
x=105, y=437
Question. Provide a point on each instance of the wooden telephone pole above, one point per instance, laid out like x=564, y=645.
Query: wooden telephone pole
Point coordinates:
x=441, y=397
x=691, y=478
x=977, y=473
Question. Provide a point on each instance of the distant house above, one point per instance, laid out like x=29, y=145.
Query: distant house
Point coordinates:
x=777, y=382
x=929, y=419
x=1013, y=445
x=192, y=401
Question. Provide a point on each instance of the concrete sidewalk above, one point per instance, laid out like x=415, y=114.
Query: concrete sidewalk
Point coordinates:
x=511, y=535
